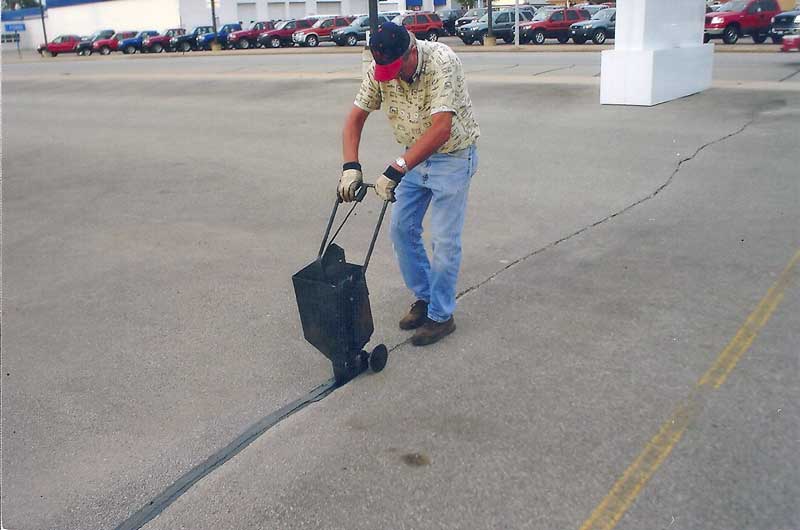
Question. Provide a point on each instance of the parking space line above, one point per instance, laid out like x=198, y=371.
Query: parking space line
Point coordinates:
x=611, y=509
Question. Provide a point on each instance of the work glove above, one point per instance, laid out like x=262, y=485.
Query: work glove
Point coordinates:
x=384, y=187
x=386, y=183
x=350, y=181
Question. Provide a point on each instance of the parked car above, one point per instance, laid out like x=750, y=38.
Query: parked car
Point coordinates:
x=591, y=8
x=552, y=24
x=423, y=25
x=502, y=26
x=470, y=16
x=282, y=34
x=785, y=24
x=106, y=46
x=85, y=45
x=355, y=32
x=741, y=17
x=160, y=43
x=134, y=44
x=449, y=17
x=248, y=38
x=320, y=31
x=599, y=28
x=61, y=44
x=188, y=41
x=204, y=41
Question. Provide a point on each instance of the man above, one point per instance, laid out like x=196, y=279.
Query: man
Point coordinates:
x=421, y=87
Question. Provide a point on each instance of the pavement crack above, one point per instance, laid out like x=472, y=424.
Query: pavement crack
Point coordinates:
x=786, y=78
x=553, y=70
x=658, y=190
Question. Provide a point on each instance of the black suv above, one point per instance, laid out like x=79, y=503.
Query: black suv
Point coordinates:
x=449, y=17
x=355, y=32
x=187, y=42
x=85, y=45
x=786, y=23
x=470, y=16
x=598, y=28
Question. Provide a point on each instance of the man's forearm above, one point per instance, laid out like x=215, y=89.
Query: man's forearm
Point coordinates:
x=434, y=138
x=351, y=134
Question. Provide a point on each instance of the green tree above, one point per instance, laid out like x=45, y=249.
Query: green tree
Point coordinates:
x=467, y=4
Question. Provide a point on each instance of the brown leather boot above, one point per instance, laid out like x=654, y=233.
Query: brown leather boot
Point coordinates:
x=433, y=331
x=416, y=316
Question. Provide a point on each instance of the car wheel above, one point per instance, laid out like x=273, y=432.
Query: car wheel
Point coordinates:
x=508, y=39
x=468, y=42
x=706, y=38
x=274, y=42
x=482, y=37
x=158, y=48
x=88, y=52
x=599, y=36
x=312, y=41
x=244, y=44
x=538, y=37
x=53, y=54
x=730, y=35
x=562, y=39
x=130, y=50
x=432, y=35
x=579, y=40
x=352, y=40
x=759, y=38
x=185, y=47
x=80, y=53
x=105, y=50
x=777, y=39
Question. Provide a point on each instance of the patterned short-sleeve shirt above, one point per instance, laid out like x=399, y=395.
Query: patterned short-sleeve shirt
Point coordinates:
x=439, y=87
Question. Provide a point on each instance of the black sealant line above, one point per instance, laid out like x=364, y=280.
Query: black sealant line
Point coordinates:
x=194, y=475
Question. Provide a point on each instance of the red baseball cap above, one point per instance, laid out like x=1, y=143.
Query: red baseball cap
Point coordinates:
x=388, y=45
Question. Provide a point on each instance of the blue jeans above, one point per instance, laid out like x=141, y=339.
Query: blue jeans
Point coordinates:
x=441, y=182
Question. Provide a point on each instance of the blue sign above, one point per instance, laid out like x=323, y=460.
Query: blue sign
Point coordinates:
x=15, y=27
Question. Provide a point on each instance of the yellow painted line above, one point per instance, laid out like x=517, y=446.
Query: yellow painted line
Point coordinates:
x=611, y=509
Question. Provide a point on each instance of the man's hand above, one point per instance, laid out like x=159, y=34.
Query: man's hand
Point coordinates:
x=384, y=187
x=349, y=182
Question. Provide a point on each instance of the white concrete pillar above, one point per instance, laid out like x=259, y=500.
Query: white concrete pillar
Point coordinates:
x=658, y=54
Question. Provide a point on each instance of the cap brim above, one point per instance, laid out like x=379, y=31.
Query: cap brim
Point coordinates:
x=387, y=72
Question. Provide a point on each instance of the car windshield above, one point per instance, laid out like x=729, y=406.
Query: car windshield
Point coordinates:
x=542, y=15
x=603, y=14
x=360, y=20
x=142, y=34
x=474, y=13
x=734, y=5
x=282, y=25
x=484, y=18
x=319, y=22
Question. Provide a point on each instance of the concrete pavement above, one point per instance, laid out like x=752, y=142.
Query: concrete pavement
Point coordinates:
x=150, y=229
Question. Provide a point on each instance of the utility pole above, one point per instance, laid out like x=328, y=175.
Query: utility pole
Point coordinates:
x=373, y=17
x=214, y=23
x=44, y=29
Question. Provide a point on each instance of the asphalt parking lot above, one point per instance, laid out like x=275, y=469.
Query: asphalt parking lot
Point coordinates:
x=629, y=302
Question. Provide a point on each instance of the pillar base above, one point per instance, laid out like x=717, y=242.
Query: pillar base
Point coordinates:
x=490, y=41
x=650, y=77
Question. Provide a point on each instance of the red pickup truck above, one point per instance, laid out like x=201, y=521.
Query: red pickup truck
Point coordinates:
x=106, y=46
x=160, y=43
x=248, y=38
x=61, y=44
x=741, y=17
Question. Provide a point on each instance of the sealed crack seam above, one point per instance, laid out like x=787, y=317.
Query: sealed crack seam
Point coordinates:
x=153, y=508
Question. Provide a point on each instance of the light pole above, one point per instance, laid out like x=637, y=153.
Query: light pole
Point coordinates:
x=41, y=11
x=215, y=44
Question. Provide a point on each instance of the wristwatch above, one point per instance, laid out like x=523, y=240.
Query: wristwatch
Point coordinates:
x=401, y=163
